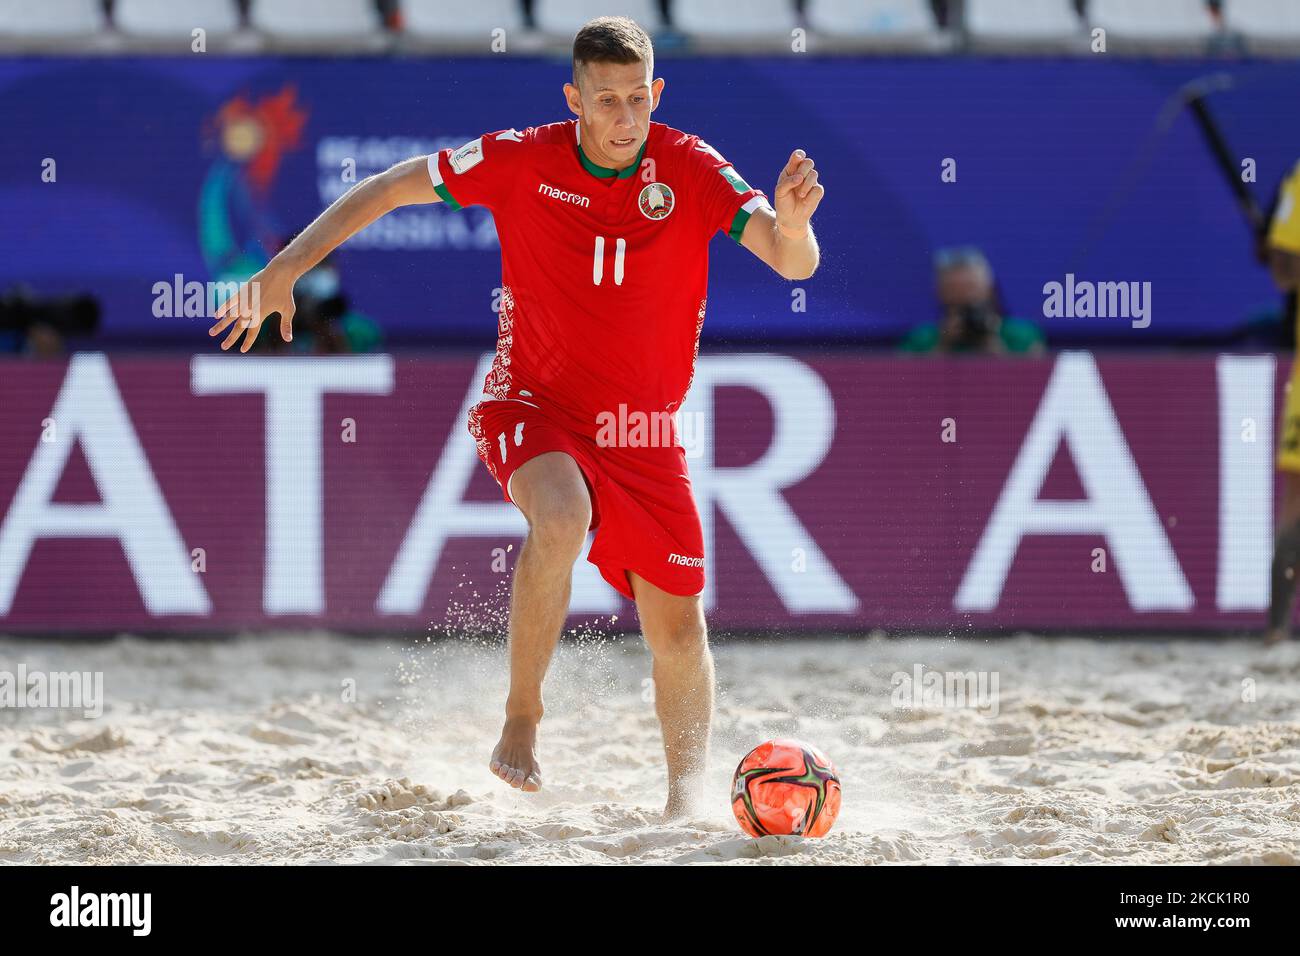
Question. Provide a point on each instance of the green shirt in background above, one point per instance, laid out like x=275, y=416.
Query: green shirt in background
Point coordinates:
x=1017, y=335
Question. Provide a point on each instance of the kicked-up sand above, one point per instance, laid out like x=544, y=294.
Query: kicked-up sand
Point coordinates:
x=314, y=748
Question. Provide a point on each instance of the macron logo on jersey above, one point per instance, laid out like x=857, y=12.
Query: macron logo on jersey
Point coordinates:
x=547, y=190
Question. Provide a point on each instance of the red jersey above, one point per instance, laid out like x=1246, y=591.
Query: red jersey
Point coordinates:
x=604, y=273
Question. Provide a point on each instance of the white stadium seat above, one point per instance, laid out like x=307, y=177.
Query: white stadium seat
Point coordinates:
x=565, y=17
x=1179, y=23
x=51, y=20
x=893, y=23
x=1023, y=23
x=734, y=22
x=172, y=19
x=871, y=17
x=333, y=23
x=457, y=21
x=1267, y=25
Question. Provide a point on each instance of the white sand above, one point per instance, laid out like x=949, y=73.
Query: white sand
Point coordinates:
x=244, y=752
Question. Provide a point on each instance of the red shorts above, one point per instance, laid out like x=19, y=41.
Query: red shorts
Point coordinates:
x=642, y=509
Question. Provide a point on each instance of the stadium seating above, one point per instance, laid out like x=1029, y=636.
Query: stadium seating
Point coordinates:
x=170, y=22
x=339, y=24
x=455, y=23
x=1015, y=25
x=1268, y=26
x=1154, y=24
x=880, y=24
x=1032, y=26
x=757, y=23
x=565, y=17
x=53, y=24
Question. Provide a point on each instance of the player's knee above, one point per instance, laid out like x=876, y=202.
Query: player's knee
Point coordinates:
x=683, y=637
x=559, y=521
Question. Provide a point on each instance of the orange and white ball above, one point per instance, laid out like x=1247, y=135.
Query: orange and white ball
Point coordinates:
x=786, y=787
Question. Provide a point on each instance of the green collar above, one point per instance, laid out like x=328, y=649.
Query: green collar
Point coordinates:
x=604, y=172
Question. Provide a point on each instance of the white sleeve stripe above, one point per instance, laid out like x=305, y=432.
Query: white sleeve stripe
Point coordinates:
x=756, y=202
x=434, y=173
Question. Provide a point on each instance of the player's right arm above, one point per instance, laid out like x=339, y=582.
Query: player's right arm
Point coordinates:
x=271, y=290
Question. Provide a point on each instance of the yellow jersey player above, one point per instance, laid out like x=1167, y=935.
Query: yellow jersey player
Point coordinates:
x=1284, y=264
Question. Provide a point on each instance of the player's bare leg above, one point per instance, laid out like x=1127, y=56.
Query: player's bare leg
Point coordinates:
x=551, y=493
x=683, y=682
x=1286, y=560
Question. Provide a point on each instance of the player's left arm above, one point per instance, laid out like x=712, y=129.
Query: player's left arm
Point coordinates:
x=783, y=238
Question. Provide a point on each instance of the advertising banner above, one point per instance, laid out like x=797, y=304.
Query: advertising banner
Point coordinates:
x=220, y=492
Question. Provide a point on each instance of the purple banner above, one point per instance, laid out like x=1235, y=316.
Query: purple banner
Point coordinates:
x=220, y=492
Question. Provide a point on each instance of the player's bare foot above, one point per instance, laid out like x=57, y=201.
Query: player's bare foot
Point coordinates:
x=683, y=803
x=515, y=758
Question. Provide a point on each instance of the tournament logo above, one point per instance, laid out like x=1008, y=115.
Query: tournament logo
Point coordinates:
x=238, y=233
x=468, y=156
x=656, y=201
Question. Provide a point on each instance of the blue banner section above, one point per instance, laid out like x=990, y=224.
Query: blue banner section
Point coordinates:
x=120, y=175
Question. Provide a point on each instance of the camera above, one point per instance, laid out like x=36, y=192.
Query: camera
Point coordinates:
x=71, y=315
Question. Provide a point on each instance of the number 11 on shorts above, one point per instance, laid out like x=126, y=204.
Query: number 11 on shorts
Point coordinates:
x=598, y=266
x=519, y=439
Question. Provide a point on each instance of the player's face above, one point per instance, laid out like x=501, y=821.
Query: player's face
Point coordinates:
x=613, y=102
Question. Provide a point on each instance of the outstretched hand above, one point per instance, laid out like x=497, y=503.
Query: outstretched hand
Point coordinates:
x=268, y=292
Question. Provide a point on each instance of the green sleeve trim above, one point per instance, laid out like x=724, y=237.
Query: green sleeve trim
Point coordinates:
x=446, y=196
x=738, y=224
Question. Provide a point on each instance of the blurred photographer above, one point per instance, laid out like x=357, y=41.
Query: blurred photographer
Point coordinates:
x=971, y=319
x=323, y=323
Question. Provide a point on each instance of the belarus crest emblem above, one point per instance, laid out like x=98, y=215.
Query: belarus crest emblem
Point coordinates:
x=656, y=201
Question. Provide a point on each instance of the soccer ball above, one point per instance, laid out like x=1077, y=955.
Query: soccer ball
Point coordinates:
x=785, y=786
